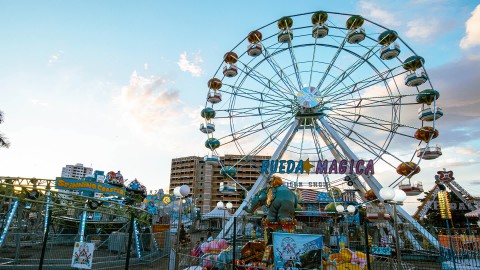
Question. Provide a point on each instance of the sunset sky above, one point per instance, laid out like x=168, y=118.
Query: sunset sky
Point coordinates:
x=119, y=85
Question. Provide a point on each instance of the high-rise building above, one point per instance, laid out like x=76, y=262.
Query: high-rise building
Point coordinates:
x=76, y=171
x=205, y=179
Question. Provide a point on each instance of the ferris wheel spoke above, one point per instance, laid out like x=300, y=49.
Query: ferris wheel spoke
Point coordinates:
x=252, y=109
x=260, y=99
x=382, y=105
x=339, y=102
x=241, y=115
x=366, y=82
x=330, y=65
x=348, y=71
x=365, y=143
x=278, y=70
x=259, y=96
x=295, y=65
x=377, y=126
x=372, y=122
x=362, y=102
x=252, y=73
x=254, y=128
x=265, y=142
x=377, y=121
x=313, y=62
x=316, y=141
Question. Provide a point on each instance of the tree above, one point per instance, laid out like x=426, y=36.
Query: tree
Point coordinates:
x=3, y=140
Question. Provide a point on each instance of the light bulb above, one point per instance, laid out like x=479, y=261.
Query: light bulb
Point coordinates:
x=387, y=193
x=400, y=195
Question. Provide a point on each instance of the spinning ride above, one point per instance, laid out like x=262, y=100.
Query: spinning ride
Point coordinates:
x=326, y=93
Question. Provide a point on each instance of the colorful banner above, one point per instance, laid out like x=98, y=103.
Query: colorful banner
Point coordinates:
x=297, y=251
x=83, y=255
x=82, y=185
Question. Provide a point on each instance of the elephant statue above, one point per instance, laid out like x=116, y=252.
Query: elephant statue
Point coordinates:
x=280, y=200
x=257, y=201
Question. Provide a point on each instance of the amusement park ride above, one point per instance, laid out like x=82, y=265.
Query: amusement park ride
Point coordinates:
x=97, y=203
x=445, y=179
x=338, y=89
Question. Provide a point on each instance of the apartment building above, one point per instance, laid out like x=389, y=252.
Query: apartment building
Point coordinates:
x=77, y=171
x=204, y=178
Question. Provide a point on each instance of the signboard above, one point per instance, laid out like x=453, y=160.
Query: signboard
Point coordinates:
x=83, y=255
x=319, y=184
x=446, y=176
x=458, y=206
x=359, y=167
x=297, y=251
x=82, y=185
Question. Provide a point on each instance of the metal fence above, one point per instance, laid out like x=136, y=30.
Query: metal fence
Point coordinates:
x=177, y=249
x=23, y=251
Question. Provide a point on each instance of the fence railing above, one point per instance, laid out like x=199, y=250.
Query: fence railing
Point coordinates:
x=175, y=248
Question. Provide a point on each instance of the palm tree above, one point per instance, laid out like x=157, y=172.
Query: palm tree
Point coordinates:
x=3, y=140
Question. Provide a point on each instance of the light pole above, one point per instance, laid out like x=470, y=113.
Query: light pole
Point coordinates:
x=224, y=207
x=350, y=210
x=394, y=197
x=180, y=192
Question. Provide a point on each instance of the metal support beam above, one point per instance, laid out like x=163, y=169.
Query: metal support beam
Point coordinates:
x=261, y=180
x=373, y=183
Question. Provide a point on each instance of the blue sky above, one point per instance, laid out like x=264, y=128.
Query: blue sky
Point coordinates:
x=119, y=84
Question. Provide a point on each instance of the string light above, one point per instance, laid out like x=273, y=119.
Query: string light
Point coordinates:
x=47, y=208
x=444, y=203
x=137, y=240
x=9, y=220
x=154, y=240
x=83, y=224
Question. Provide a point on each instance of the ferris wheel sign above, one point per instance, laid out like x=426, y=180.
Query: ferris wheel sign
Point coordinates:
x=359, y=167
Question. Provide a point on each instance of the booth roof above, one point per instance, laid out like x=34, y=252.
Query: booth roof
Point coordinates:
x=473, y=214
x=217, y=213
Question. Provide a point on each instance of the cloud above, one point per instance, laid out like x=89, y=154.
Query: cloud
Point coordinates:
x=374, y=12
x=54, y=58
x=472, y=33
x=475, y=182
x=458, y=83
x=39, y=103
x=419, y=30
x=191, y=65
x=420, y=2
x=148, y=100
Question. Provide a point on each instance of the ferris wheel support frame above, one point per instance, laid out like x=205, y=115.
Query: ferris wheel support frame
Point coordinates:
x=361, y=188
x=357, y=184
x=262, y=180
x=373, y=183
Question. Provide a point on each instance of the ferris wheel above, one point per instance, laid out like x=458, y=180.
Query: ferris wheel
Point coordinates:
x=325, y=86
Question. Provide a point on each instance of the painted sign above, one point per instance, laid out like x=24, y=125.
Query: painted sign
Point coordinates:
x=446, y=176
x=359, y=167
x=458, y=206
x=320, y=184
x=82, y=185
x=83, y=255
x=386, y=251
x=297, y=251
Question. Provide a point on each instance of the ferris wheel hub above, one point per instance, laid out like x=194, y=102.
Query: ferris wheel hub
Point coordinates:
x=307, y=98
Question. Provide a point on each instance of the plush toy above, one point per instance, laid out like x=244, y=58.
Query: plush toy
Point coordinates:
x=216, y=255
